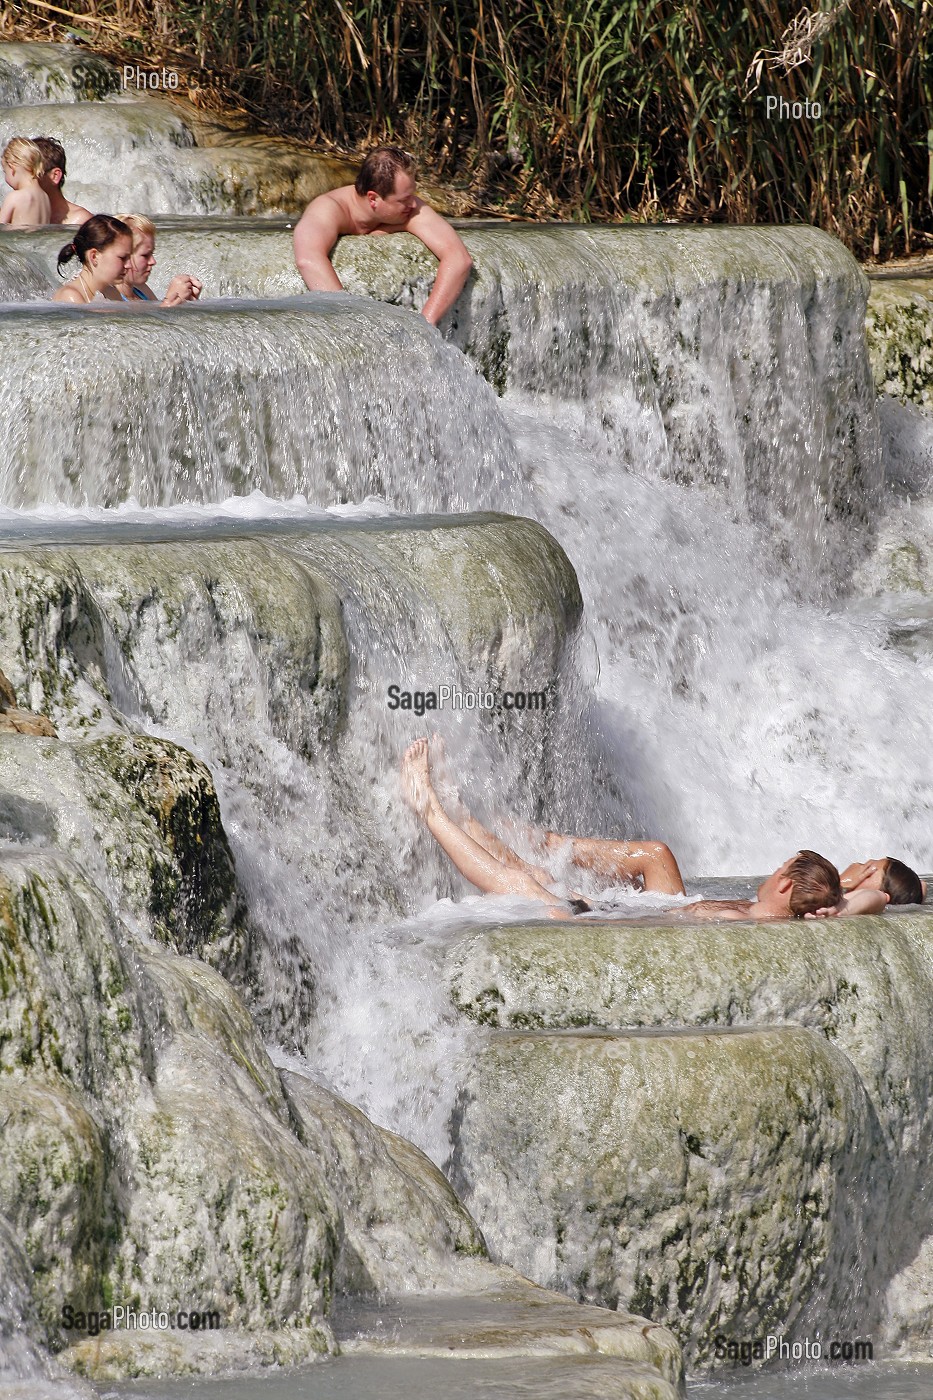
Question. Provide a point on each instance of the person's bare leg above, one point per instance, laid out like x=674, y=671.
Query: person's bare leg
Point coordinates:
x=650, y=861
x=499, y=849
x=473, y=861
x=475, y=829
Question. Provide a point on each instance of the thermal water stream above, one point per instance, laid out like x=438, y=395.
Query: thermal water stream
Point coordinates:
x=689, y=413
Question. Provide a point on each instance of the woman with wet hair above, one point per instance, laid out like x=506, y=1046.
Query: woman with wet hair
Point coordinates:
x=134, y=285
x=888, y=875
x=103, y=246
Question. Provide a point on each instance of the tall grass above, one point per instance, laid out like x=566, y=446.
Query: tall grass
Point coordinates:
x=596, y=109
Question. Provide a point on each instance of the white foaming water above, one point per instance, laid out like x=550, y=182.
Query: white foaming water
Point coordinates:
x=740, y=723
x=327, y=855
x=51, y=73
x=688, y=411
x=711, y=496
x=151, y=146
x=329, y=397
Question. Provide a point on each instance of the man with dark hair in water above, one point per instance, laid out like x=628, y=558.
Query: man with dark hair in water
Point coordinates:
x=382, y=200
x=53, y=178
x=804, y=885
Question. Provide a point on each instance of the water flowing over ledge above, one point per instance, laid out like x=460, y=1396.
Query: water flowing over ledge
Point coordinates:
x=171, y=157
x=225, y=940
x=697, y=356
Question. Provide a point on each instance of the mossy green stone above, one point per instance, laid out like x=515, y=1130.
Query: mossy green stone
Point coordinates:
x=709, y=1180
x=899, y=328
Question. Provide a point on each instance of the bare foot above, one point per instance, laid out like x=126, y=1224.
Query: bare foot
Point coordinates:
x=438, y=749
x=416, y=777
x=441, y=781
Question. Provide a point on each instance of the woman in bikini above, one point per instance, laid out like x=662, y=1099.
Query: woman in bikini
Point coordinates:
x=103, y=246
x=134, y=285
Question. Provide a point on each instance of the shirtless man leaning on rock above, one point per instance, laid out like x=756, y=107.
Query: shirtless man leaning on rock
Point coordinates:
x=382, y=200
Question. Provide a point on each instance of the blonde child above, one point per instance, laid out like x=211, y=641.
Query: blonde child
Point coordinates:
x=28, y=203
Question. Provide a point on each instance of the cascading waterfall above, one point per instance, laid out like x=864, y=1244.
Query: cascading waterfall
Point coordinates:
x=171, y=157
x=690, y=413
x=238, y=398
x=692, y=590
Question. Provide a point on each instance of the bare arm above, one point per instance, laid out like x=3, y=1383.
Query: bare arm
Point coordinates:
x=718, y=909
x=860, y=902
x=454, y=260
x=315, y=235
x=865, y=902
x=856, y=873
x=7, y=209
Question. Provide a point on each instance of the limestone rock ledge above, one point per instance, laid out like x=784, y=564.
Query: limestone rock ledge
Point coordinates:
x=155, y=1158
x=723, y=1127
x=13, y=720
x=575, y=1351
x=151, y=1153
x=899, y=328
x=707, y=1180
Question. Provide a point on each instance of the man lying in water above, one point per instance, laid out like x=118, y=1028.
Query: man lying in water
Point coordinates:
x=806, y=885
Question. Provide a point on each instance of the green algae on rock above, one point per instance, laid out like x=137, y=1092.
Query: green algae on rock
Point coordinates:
x=52, y=73
x=142, y=813
x=854, y=982
x=150, y=1151
x=172, y=156
x=154, y=1157
x=77, y=621
x=899, y=329
x=507, y=594
x=401, y=1224
x=66, y=610
x=707, y=1180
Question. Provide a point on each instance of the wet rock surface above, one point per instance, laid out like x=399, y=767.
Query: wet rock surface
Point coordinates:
x=705, y=1180
x=121, y=1185
x=13, y=720
x=216, y=164
x=154, y=1156
x=648, y=1068
x=899, y=327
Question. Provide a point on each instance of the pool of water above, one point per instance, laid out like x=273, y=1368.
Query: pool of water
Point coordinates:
x=571, y=1378
x=865, y=1382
